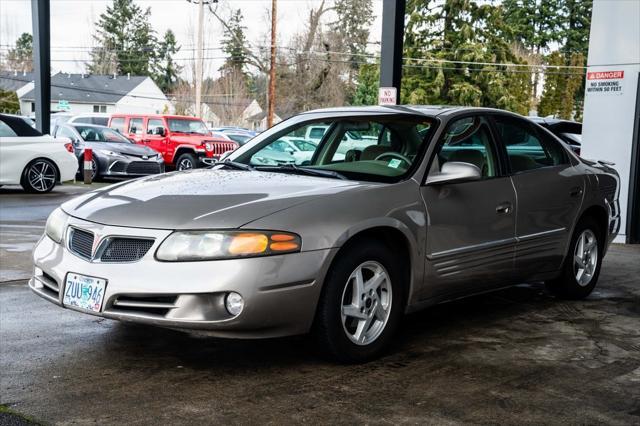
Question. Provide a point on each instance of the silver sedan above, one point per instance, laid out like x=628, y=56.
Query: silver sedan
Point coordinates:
x=441, y=202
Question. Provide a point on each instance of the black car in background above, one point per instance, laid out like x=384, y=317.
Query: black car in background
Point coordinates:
x=568, y=131
x=113, y=154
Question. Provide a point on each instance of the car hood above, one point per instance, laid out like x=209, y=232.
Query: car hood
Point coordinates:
x=201, y=199
x=123, y=148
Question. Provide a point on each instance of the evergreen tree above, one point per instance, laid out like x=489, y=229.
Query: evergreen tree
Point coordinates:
x=125, y=41
x=167, y=72
x=234, y=42
x=354, y=18
x=366, y=91
x=20, y=58
x=9, y=102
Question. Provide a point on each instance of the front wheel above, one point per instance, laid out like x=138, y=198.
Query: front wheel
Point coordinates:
x=361, y=304
x=581, y=268
x=186, y=161
x=39, y=176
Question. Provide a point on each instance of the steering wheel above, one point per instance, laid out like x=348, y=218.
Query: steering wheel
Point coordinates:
x=393, y=154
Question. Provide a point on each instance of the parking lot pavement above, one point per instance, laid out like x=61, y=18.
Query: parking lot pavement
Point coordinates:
x=22, y=220
x=516, y=356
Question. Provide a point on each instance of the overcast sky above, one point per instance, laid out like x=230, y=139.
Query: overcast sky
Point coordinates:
x=72, y=25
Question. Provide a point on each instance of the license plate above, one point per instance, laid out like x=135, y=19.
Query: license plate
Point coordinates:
x=81, y=291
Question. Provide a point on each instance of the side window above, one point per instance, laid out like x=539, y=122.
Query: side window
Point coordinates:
x=6, y=131
x=467, y=140
x=118, y=124
x=153, y=124
x=525, y=147
x=136, y=126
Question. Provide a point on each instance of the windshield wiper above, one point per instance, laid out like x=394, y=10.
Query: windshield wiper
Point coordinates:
x=292, y=168
x=233, y=165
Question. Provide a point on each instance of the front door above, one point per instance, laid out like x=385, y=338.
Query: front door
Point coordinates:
x=471, y=225
x=550, y=192
x=136, y=129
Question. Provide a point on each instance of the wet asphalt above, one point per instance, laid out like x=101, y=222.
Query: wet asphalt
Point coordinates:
x=517, y=356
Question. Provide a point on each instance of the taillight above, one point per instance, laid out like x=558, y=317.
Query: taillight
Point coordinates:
x=69, y=147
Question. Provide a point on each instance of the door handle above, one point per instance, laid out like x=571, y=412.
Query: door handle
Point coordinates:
x=504, y=208
x=146, y=140
x=576, y=191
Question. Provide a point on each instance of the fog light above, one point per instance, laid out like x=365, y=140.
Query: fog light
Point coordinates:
x=234, y=303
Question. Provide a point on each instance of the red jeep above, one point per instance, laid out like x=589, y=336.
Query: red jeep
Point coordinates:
x=184, y=142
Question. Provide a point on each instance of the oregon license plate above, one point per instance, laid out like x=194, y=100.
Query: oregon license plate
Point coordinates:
x=81, y=291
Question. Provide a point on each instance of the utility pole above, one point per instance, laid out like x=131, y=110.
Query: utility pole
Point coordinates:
x=199, y=58
x=272, y=69
x=199, y=53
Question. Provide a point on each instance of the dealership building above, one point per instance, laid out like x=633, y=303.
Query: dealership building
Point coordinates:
x=611, y=128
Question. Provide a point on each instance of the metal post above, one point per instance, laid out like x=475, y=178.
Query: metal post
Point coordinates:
x=392, y=43
x=199, y=59
x=272, y=70
x=42, y=63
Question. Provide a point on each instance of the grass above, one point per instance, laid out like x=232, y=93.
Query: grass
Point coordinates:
x=4, y=410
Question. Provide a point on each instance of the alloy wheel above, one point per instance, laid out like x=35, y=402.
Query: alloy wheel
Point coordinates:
x=185, y=164
x=366, y=303
x=42, y=176
x=585, y=257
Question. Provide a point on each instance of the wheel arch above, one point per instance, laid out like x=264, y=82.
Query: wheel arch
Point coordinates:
x=397, y=239
x=601, y=216
x=183, y=149
x=51, y=160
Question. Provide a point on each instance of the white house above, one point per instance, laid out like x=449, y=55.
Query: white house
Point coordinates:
x=82, y=93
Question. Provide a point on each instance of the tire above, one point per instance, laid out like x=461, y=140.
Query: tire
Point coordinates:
x=186, y=161
x=581, y=267
x=335, y=329
x=40, y=176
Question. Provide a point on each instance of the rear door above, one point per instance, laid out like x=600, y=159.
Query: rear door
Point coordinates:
x=153, y=138
x=471, y=225
x=549, y=191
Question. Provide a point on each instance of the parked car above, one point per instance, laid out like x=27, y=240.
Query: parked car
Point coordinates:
x=568, y=131
x=99, y=118
x=184, y=142
x=342, y=248
x=300, y=149
x=32, y=160
x=240, y=138
x=113, y=154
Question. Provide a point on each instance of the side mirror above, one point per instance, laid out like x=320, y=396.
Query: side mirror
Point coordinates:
x=160, y=131
x=454, y=171
x=289, y=151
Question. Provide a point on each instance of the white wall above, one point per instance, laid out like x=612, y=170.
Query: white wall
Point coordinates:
x=607, y=132
x=76, y=108
x=145, y=98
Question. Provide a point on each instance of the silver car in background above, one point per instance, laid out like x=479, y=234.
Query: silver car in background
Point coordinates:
x=114, y=156
x=446, y=202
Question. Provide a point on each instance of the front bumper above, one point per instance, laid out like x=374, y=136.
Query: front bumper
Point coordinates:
x=127, y=166
x=280, y=292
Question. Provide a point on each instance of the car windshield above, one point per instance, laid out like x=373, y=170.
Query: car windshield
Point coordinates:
x=379, y=149
x=100, y=134
x=183, y=125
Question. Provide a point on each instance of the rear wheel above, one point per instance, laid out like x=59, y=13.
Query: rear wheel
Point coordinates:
x=39, y=176
x=361, y=304
x=186, y=161
x=581, y=268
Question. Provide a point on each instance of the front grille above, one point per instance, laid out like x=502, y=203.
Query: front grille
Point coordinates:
x=220, y=148
x=120, y=249
x=81, y=242
x=143, y=168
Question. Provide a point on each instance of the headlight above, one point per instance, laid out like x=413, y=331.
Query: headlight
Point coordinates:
x=56, y=224
x=110, y=153
x=208, y=146
x=209, y=245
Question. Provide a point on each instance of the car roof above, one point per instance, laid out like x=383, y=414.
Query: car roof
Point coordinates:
x=185, y=117
x=426, y=110
x=97, y=126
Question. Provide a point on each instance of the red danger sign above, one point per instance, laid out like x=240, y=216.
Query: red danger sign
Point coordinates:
x=605, y=75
